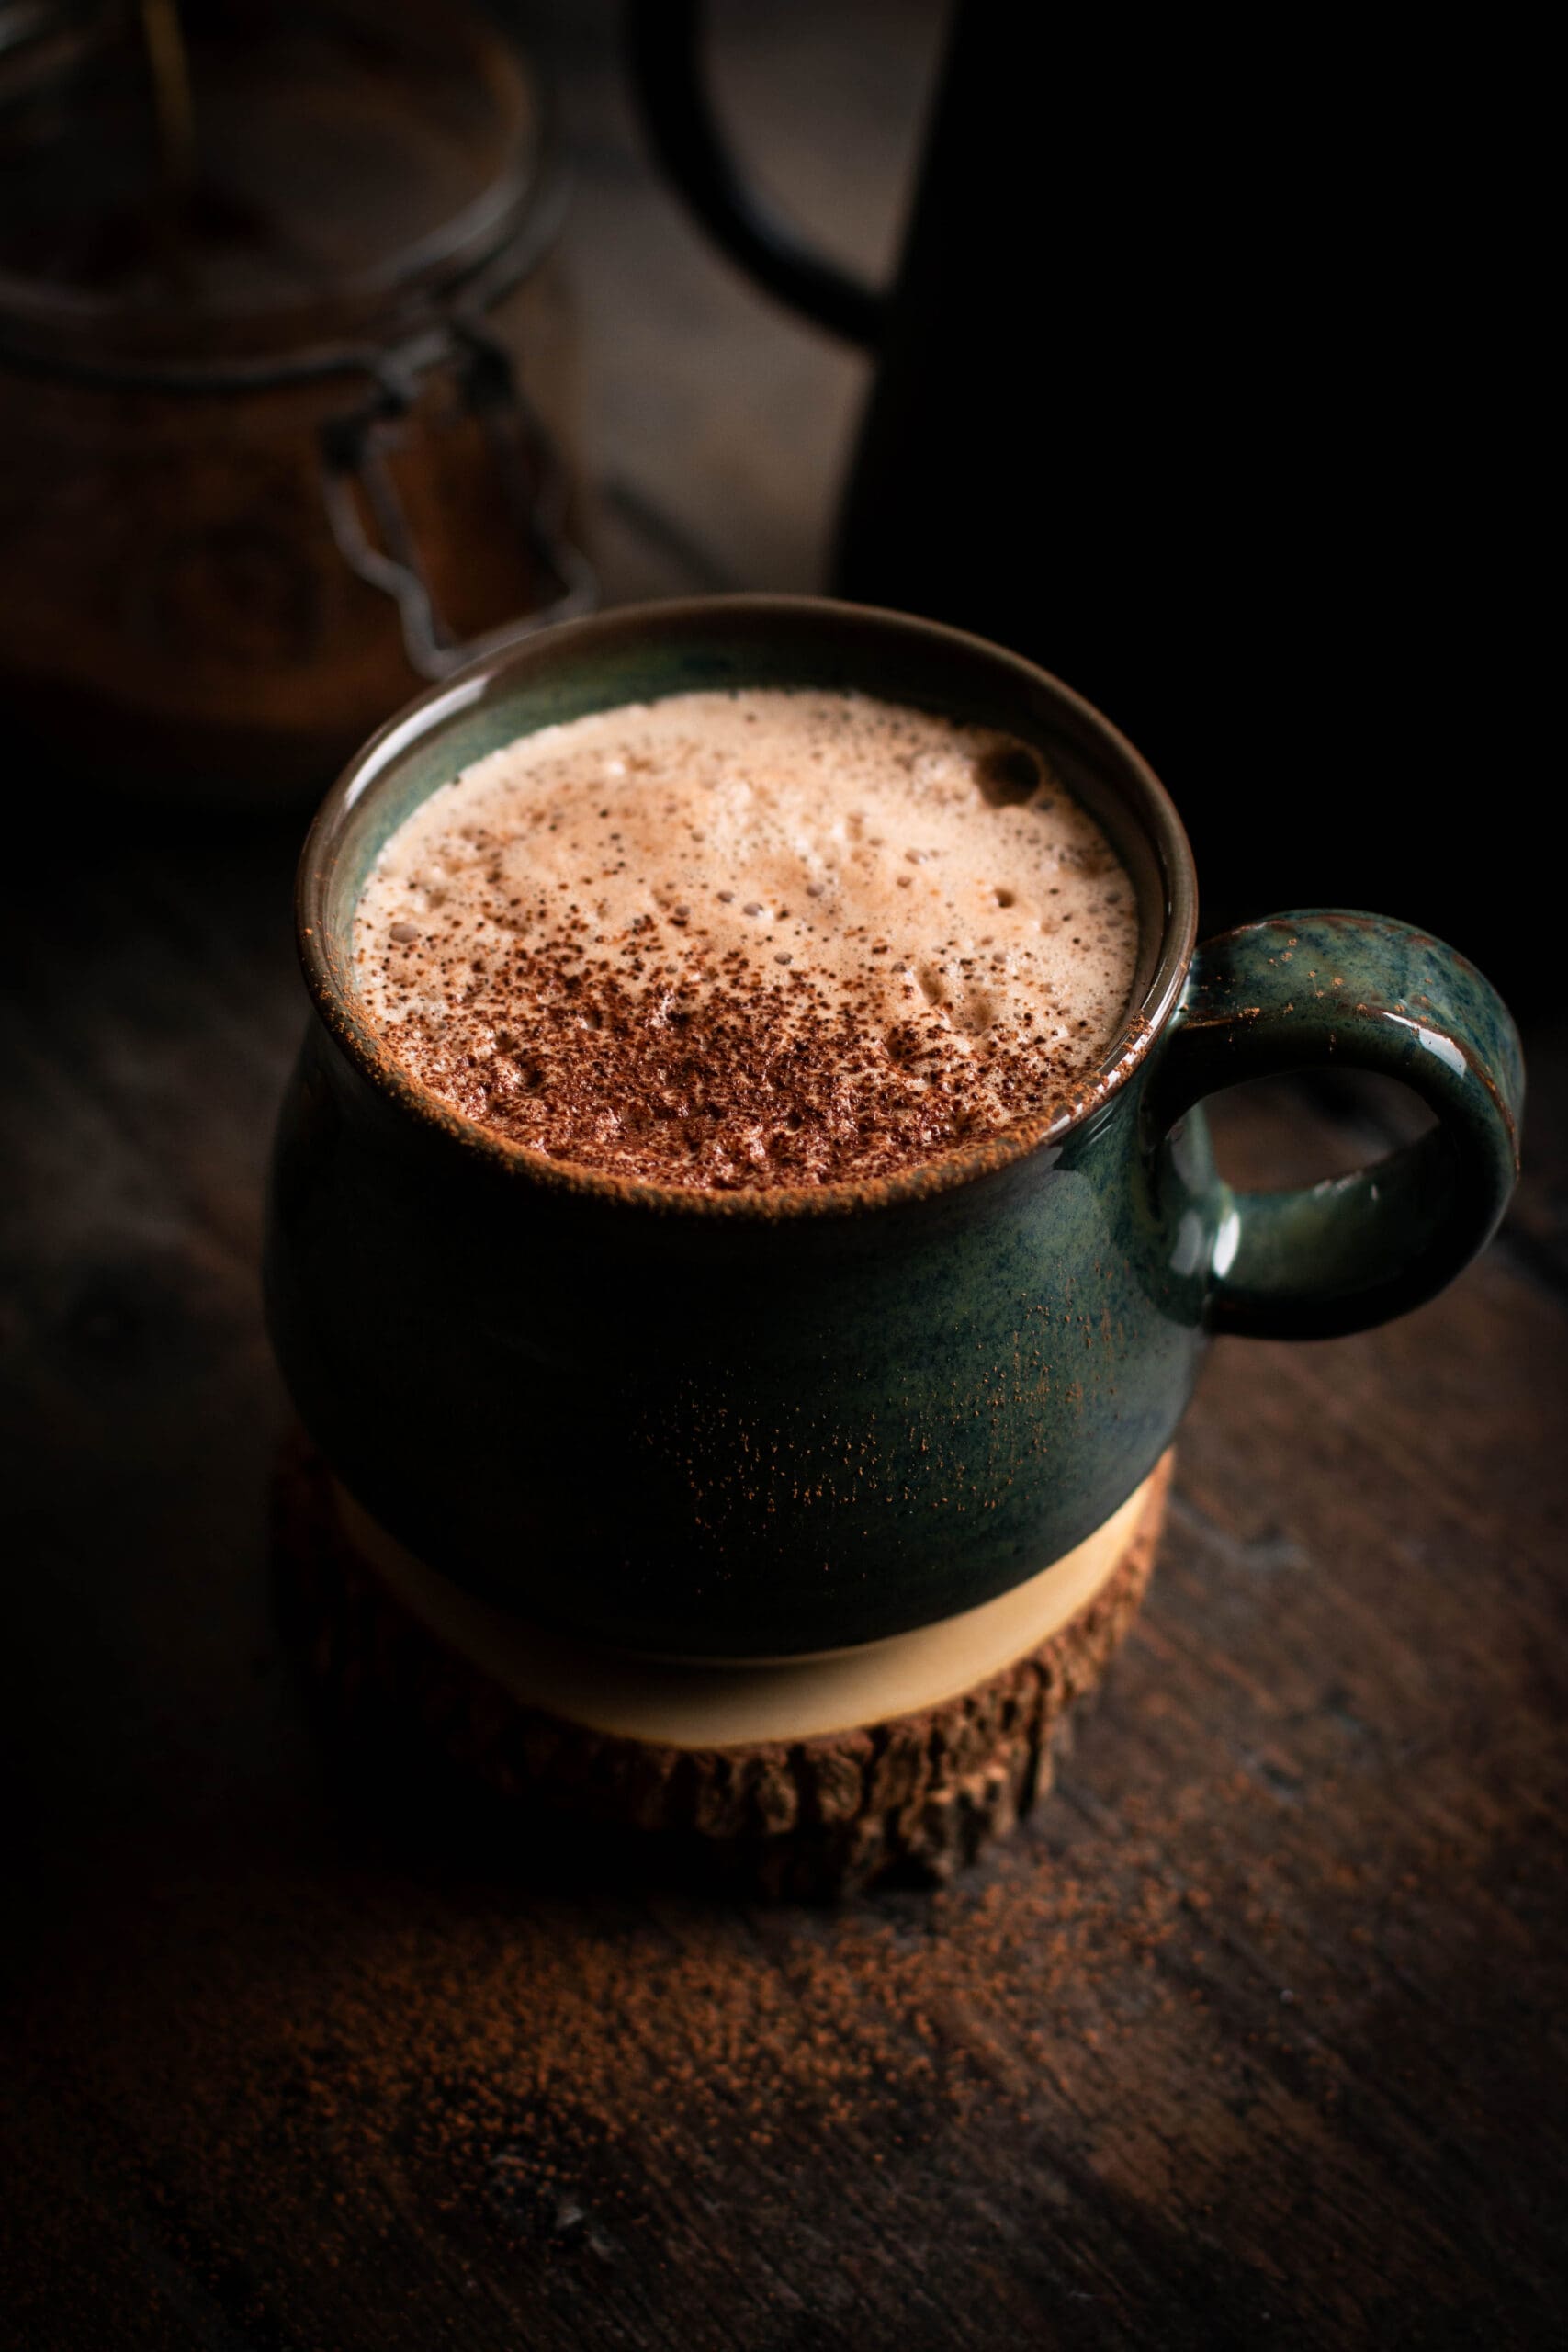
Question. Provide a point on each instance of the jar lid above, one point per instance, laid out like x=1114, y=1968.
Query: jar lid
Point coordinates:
x=230, y=181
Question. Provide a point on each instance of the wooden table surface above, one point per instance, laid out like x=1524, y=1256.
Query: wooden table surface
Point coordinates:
x=1254, y=2035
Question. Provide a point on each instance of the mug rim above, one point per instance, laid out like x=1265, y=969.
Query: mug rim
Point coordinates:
x=421, y=718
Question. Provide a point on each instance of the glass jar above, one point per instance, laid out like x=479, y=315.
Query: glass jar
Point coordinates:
x=284, y=377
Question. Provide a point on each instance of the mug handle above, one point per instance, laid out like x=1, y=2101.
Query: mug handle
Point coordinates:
x=1326, y=990
x=669, y=73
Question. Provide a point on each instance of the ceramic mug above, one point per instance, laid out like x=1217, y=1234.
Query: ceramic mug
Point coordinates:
x=760, y=1424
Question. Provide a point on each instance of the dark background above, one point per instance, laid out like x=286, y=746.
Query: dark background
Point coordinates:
x=1253, y=2035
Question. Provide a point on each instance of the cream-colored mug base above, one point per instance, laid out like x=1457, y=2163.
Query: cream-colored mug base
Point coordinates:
x=805, y=1777
x=732, y=1703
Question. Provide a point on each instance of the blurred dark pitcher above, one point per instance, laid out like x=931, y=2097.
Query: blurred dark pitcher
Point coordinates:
x=1177, y=393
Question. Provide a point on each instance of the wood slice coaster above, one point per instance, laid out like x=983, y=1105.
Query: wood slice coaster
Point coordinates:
x=799, y=1776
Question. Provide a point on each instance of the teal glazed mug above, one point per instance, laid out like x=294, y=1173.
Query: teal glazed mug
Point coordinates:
x=766, y=1423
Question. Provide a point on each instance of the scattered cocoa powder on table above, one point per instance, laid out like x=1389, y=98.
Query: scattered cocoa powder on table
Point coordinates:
x=495, y=2048
x=342, y=2090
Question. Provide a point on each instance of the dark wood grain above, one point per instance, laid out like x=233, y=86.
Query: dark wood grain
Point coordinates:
x=1253, y=2036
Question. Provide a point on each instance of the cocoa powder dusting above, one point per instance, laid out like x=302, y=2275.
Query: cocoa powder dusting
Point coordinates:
x=748, y=1086
x=556, y=2067
x=767, y=939
x=505, y=2052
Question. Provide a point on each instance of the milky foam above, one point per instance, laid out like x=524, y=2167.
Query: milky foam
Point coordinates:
x=761, y=938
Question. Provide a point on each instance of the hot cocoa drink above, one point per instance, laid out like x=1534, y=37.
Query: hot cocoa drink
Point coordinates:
x=745, y=940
